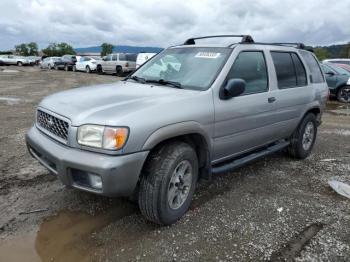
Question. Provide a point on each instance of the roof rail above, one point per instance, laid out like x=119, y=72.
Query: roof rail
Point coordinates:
x=245, y=38
x=296, y=45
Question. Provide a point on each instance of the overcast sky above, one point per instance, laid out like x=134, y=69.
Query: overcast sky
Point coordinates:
x=162, y=23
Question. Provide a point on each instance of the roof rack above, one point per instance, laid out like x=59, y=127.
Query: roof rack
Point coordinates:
x=245, y=38
x=296, y=45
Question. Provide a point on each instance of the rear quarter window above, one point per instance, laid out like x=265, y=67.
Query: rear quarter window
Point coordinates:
x=314, y=67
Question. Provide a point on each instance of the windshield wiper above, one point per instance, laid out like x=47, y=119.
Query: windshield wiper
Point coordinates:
x=136, y=78
x=166, y=82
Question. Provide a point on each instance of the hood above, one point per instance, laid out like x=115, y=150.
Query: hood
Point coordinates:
x=111, y=103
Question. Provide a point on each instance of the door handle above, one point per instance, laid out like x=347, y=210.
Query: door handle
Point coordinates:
x=271, y=99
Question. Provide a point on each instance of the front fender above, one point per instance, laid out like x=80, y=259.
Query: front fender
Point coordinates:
x=174, y=130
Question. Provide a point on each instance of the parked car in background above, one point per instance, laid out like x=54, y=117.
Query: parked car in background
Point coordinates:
x=337, y=61
x=157, y=133
x=338, y=80
x=142, y=58
x=14, y=60
x=87, y=64
x=49, y=62
x=34, y=59
x=118, y=63
x=67, y=62
x=344, y=66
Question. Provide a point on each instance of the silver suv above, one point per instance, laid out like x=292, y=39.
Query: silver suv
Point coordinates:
x=118, y=63
x=189, y=112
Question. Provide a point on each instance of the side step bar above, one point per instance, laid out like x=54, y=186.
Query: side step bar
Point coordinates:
x=249, y=158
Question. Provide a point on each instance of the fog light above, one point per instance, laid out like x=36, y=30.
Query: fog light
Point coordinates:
x=95, y=181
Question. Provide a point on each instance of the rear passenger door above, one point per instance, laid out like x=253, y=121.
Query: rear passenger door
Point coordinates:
x=293, y=93
x=244, y=123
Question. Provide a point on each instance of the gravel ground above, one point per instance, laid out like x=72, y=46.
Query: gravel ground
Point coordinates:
x=274, y=209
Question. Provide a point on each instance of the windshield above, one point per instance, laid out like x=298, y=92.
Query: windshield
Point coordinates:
x=192, y=68
x=339, y=70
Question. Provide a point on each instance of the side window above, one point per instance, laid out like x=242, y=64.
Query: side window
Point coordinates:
x=285, y=71
x=131, y=57
x=122, y=57
x=299, y=70
x=251, y=67
x=316, y=73
x=108, y=58
x=115, y=57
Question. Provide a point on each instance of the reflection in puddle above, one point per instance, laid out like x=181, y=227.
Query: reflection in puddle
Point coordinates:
x=65, y=237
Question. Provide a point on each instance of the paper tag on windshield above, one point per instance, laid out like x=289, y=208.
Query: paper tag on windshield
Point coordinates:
x=207, y=55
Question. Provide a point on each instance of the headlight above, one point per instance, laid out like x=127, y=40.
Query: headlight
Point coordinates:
x=112, y=138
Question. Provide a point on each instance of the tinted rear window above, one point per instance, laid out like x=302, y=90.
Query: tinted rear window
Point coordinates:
x=315, y=70
x=285, y=71
x=299, y=70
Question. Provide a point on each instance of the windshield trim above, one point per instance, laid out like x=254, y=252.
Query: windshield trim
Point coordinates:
x=193, y=47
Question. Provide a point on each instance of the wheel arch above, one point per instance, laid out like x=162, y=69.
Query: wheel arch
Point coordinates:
x=190, y=133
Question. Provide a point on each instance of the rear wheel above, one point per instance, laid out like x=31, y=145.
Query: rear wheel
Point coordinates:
x=74, y=68
x=303, y=138
x=168, y=182
x=119, y=71
x=19, y=63
x=55, y=67
x=343, y=94
x=87, y=69
x=66, y=68
x=49, y=66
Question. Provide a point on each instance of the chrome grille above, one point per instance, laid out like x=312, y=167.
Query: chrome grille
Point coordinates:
x=53, y=125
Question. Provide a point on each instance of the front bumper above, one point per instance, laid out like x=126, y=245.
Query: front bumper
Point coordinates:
x=119, y=174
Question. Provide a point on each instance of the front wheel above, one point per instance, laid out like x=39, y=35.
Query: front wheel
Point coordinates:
x=49, y=67
x=168, y=183
x=74, y=69
x=304, y=137
x=66, y=68
x=87, y=69
x=343, y=94
x=19, y=63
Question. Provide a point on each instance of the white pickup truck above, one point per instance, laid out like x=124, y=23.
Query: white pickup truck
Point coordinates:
x=14, y=60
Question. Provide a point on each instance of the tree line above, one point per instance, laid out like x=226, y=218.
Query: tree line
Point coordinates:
x=53, y=49
x=60, y=49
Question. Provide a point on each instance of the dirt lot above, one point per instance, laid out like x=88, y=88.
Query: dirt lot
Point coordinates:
x=274, y=209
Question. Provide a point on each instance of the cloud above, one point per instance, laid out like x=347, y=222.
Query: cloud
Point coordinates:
x=162, y=23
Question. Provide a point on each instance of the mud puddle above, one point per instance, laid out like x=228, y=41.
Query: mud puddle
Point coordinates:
x=63, y=237
x=292, y=249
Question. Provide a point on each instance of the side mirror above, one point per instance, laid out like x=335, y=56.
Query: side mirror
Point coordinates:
x=233, y=88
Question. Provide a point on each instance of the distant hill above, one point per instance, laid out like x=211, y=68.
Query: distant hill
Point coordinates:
x=336, y=51
x=121, y=49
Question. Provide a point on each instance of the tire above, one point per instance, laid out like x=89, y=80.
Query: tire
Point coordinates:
x=99, y=69
x=343, y=94
x=19, y=63
x=87, y=69
x=303, y=138
x=66, y=68
x=119, y=71
x=161, y=187
x=55, y=67
x=49, y=66
x=74, y=68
